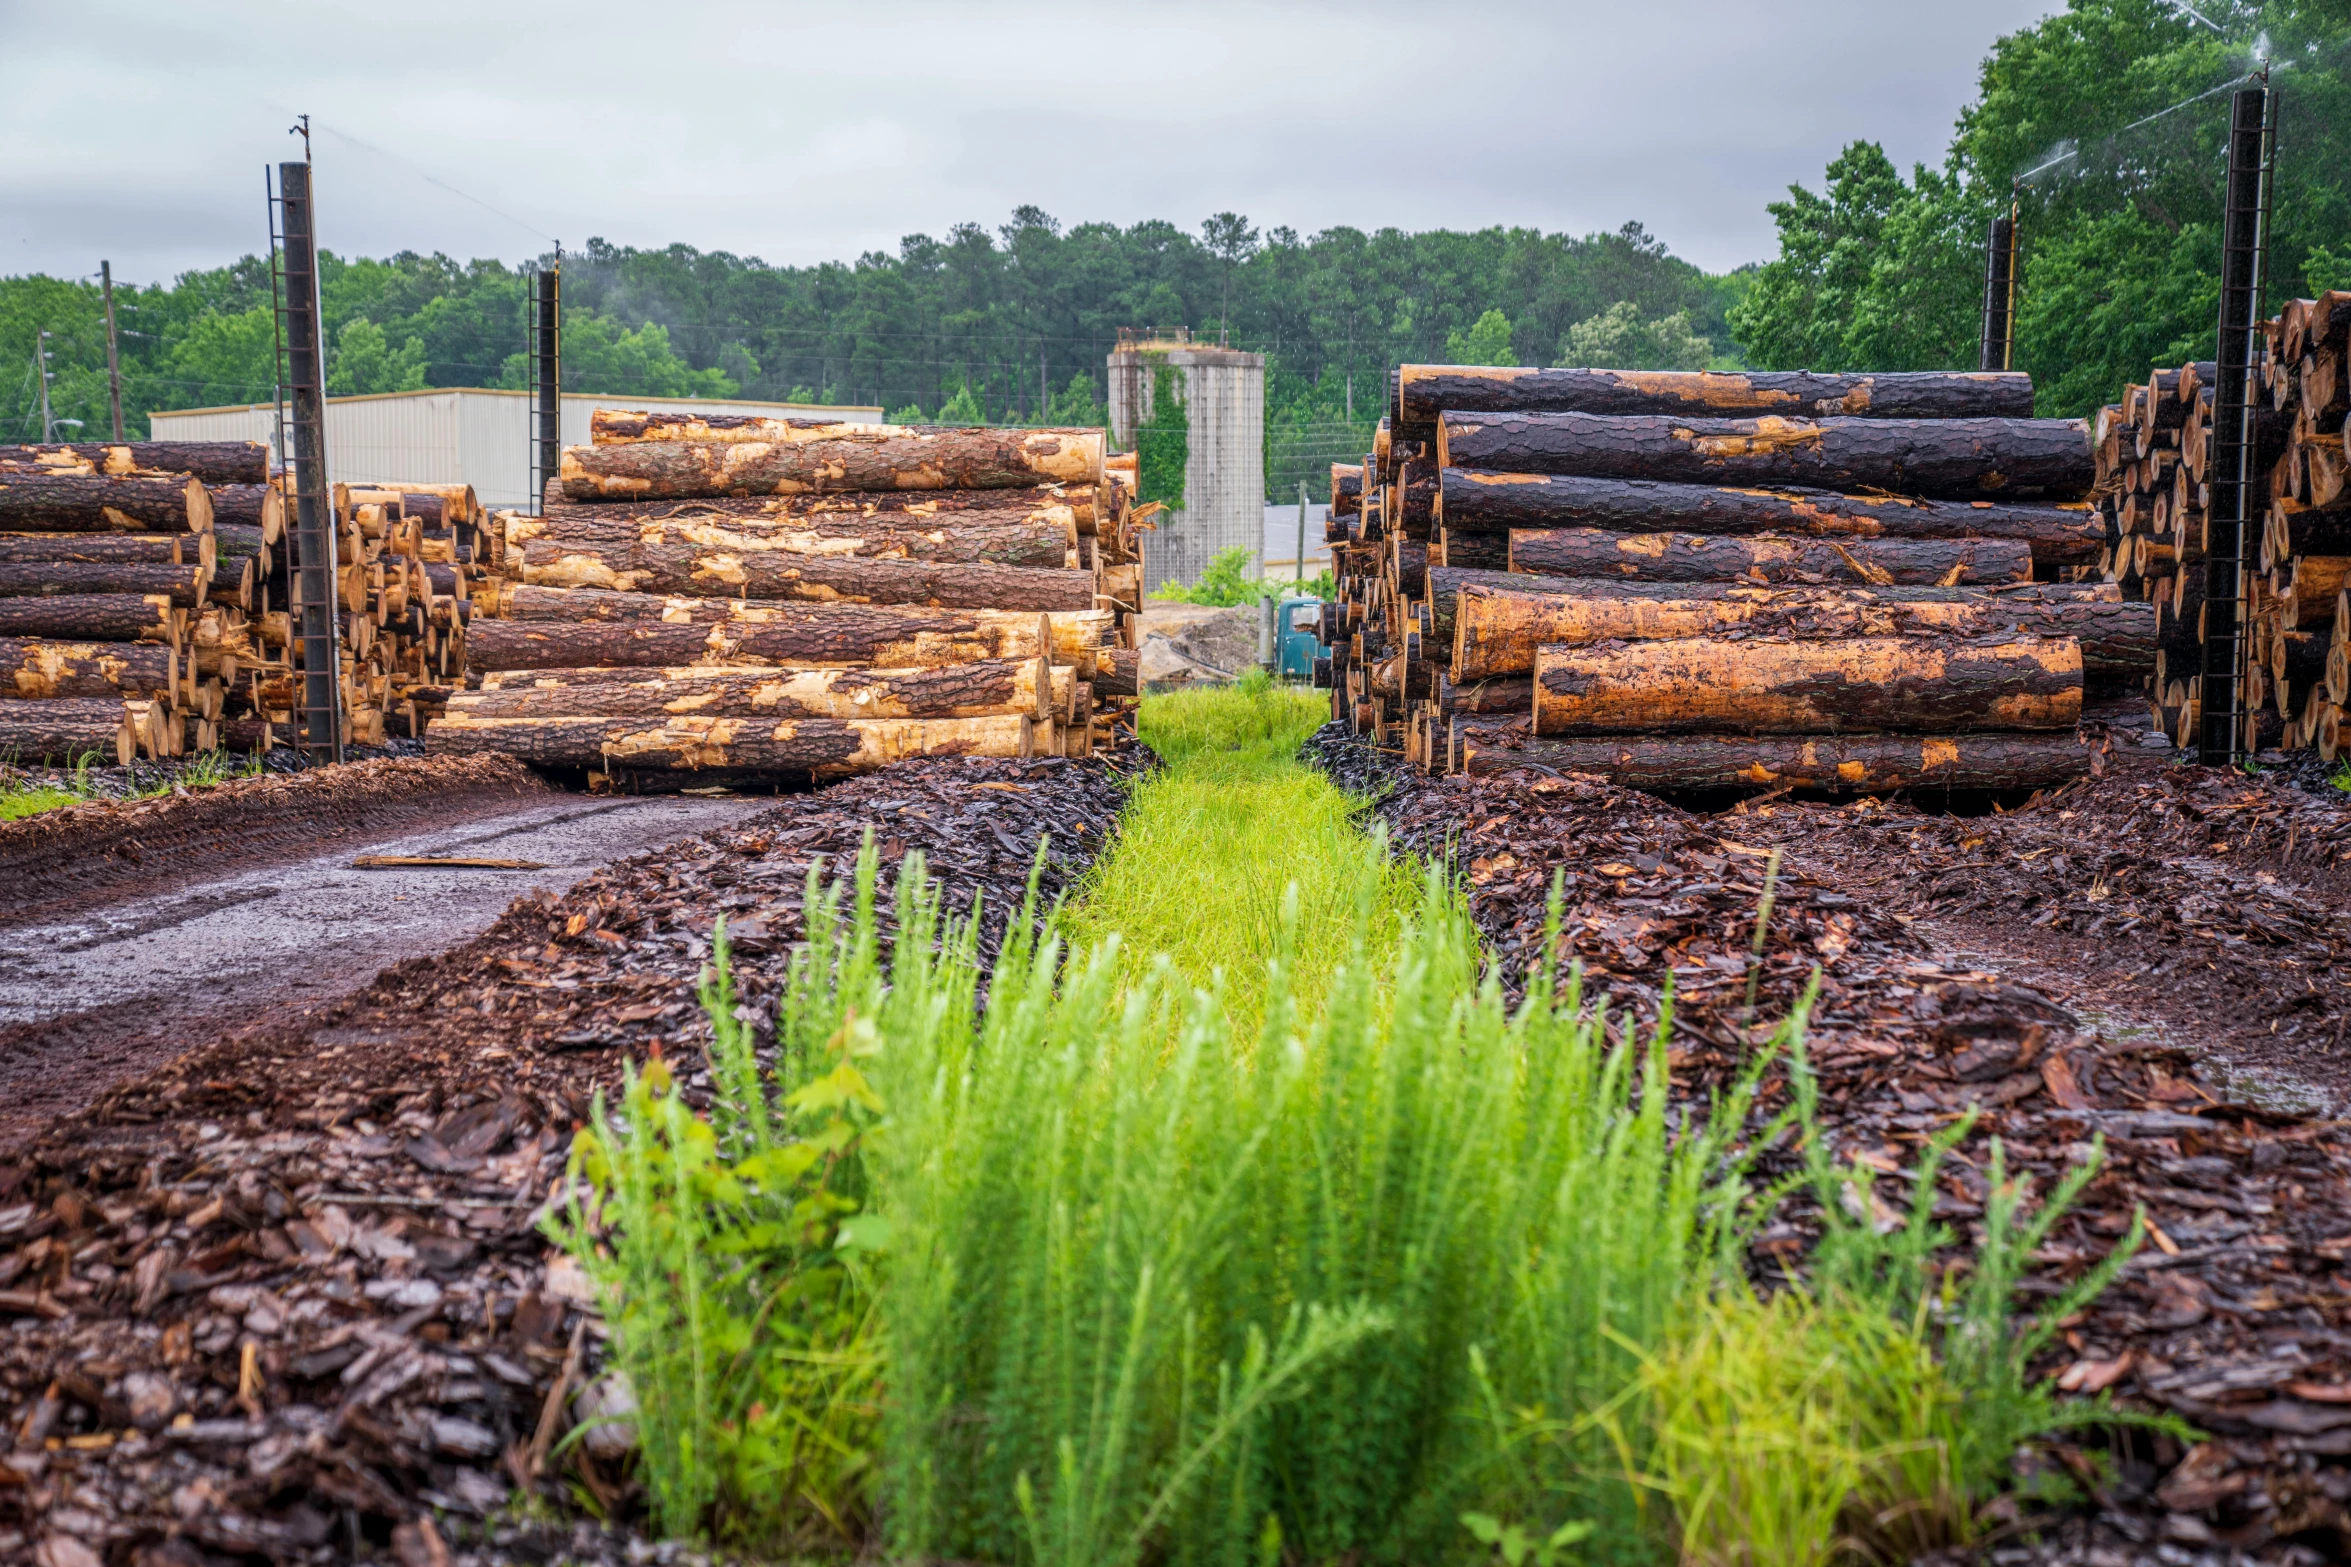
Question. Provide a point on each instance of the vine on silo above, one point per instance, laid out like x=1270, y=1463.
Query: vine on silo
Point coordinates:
x=1163, y=442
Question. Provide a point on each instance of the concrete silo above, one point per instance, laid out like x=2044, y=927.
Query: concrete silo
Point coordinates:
x=1222, y=392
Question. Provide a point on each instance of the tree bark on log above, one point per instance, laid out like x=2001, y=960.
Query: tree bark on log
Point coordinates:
x=621, y=426
x=1934, y=684
x=1961, y=459
x=62, y=732
x=37, y=670
x=1476, y=501
x=182, y=585
x=102, y=617
x=716, y=573
x=1702, y=557
x=1346, y=489
x=94, y=549
x=214, y=462
x=1447, y=583
x=1042, y=502
x=1008, y=538
x=250, y=505
x=72, y=503
x=819, y=748
x=1426, y=392
x=977, y=459
x=1499, y=694
x=838, y=636
x=992, y=688
x=1833, y=762
x=1498, y=631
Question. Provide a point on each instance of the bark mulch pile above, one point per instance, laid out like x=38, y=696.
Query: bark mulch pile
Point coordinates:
x=287, y=1298
x=2237, y=1314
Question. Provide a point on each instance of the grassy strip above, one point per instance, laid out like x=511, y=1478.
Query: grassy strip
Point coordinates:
x=1226, y=1256
x=28, y=794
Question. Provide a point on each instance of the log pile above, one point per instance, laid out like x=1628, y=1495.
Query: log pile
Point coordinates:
x=783, y=599
x=129, y=582
x=1698, y=581
x=2155, y=453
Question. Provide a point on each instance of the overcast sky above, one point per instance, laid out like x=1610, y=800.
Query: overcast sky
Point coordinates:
x=136, y=130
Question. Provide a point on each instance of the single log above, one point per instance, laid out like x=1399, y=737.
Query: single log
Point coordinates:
x=250, y=505
x=64, y=732
x=98, y=617
x=183, y=585
x=1047, y=502
x=891, y=459
x=822, y=748
x=1473, y=551
x=1502, y=694
x=1446, y=584
x=1118, y=672
x=1701, y=557
x=620, y=426
x=1933, y=684
x=93, y=549
x=1008, y=538
x=799, y=636
x=72, y=503
x=214, y=462
x=244, y=736
x=724, y=573
x=1963, y=459
x=1424, y=393
x=38, y=670
x=1835, y=762
x=1475, y=501
x=459, y=503
x=988, y=689
x=237, y=542
x=1346, y=489
x=2291, y=528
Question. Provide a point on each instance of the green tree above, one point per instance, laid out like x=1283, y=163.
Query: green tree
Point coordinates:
x=1619, y=339
x=1163, y=441
x=1487, y=342
x=364, y=361
x=962, y=408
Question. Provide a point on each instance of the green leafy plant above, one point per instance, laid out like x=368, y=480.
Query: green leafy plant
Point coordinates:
x=1163, y=440
x=1227, y=583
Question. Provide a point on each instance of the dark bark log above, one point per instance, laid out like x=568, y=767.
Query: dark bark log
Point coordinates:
x=620, y=426
x=830, y=636
x=37, y=670
x=1412, y=569
x=108, y=617
x=214, y=462
x=244, y=736
x=1425, y=392
x=1346, y=489
x=183, y=585
x=70, y=503
x=125, y=549
x=236, y=543
x=979, y=459
x=814, y=747
x=1962, y=459
x=1920, y=684
x=2298, y=659
x=249, y=505
x=1008, y=538
x=1482, y=502
x=61, y=733
x=1502, y=694
x=1118, y=673
x=714, y=573
x=2292, y=528
x=987, y=689
x=1046, y=502
x=1702, y=557
x=1474, y=551
x=1833, y=762
x=1499, y=630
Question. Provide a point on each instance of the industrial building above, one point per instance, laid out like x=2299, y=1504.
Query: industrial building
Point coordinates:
x=449, y=435
x=1223, y=395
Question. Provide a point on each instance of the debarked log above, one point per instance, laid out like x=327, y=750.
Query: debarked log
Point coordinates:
x=822, y=748
x=1497, y=631
x=76, y=503
x=1796, y=685
x=1704, y=557
x=1746, y=762
x=183, y=585
x=1425, y=392
x=36, y=669
x=1008, y=538
x=1042, y=502
x=987, y=688
x=690, y=569
x=802, y=636
x=250, y=505
x=97, y=617
x=888, y=459
x=1480, y=501
x=1967, y=459
x=214, y=462
x=619, y=426
x=63, y=732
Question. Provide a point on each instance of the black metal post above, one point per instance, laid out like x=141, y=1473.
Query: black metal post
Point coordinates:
x=546, y=383
x=113, y=361
x=2222, y=735
x=1999, y=337
x=314, y=529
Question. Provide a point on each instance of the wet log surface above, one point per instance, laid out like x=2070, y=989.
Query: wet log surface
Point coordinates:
x=714, y=571
x=1963, y=459
x=364, y=1177
x=99, y=617
x=59, y=732
x=1925, y=683
x=214, y=462
x=892, y=459
x=1836, y=763
x=182, y=585
x=2054, y=969
x=1700, y=557
x=806, y=636
x=1477, y=501
x=72, y=503
x=1426, y=392
x=1044, y=501
x=34, y=669
x=1005, y=538
x=976, y=690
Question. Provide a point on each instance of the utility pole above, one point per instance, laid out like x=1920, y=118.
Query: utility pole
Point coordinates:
x=1299, y=565
x=304, y=375
x=41, y=373
x=113, y=364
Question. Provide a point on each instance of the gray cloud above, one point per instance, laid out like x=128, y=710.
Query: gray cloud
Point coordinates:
x=137, y=128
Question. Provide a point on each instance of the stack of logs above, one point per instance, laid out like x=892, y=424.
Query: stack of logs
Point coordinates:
x=1699, y=581
x=2155, y=452
x=754, y=598
x=130, y=577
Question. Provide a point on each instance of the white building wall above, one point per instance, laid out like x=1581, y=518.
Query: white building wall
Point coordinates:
x=448, y=435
